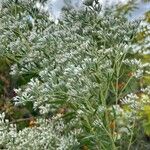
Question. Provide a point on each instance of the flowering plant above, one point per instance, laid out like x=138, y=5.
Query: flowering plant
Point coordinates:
x=82, y=77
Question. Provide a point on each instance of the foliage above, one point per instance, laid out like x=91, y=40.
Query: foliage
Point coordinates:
x=85, y=78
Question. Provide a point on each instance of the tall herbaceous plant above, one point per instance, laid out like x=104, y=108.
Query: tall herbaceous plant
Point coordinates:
x=85, y=77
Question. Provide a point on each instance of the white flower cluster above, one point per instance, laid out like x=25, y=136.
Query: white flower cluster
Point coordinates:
x=146, y=90
x=139, y=67
x=44, y=135
x=143, y=46
x=132, y=101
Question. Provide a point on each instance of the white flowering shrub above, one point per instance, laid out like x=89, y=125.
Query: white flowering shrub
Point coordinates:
x=84, y=77
x=46, y=136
